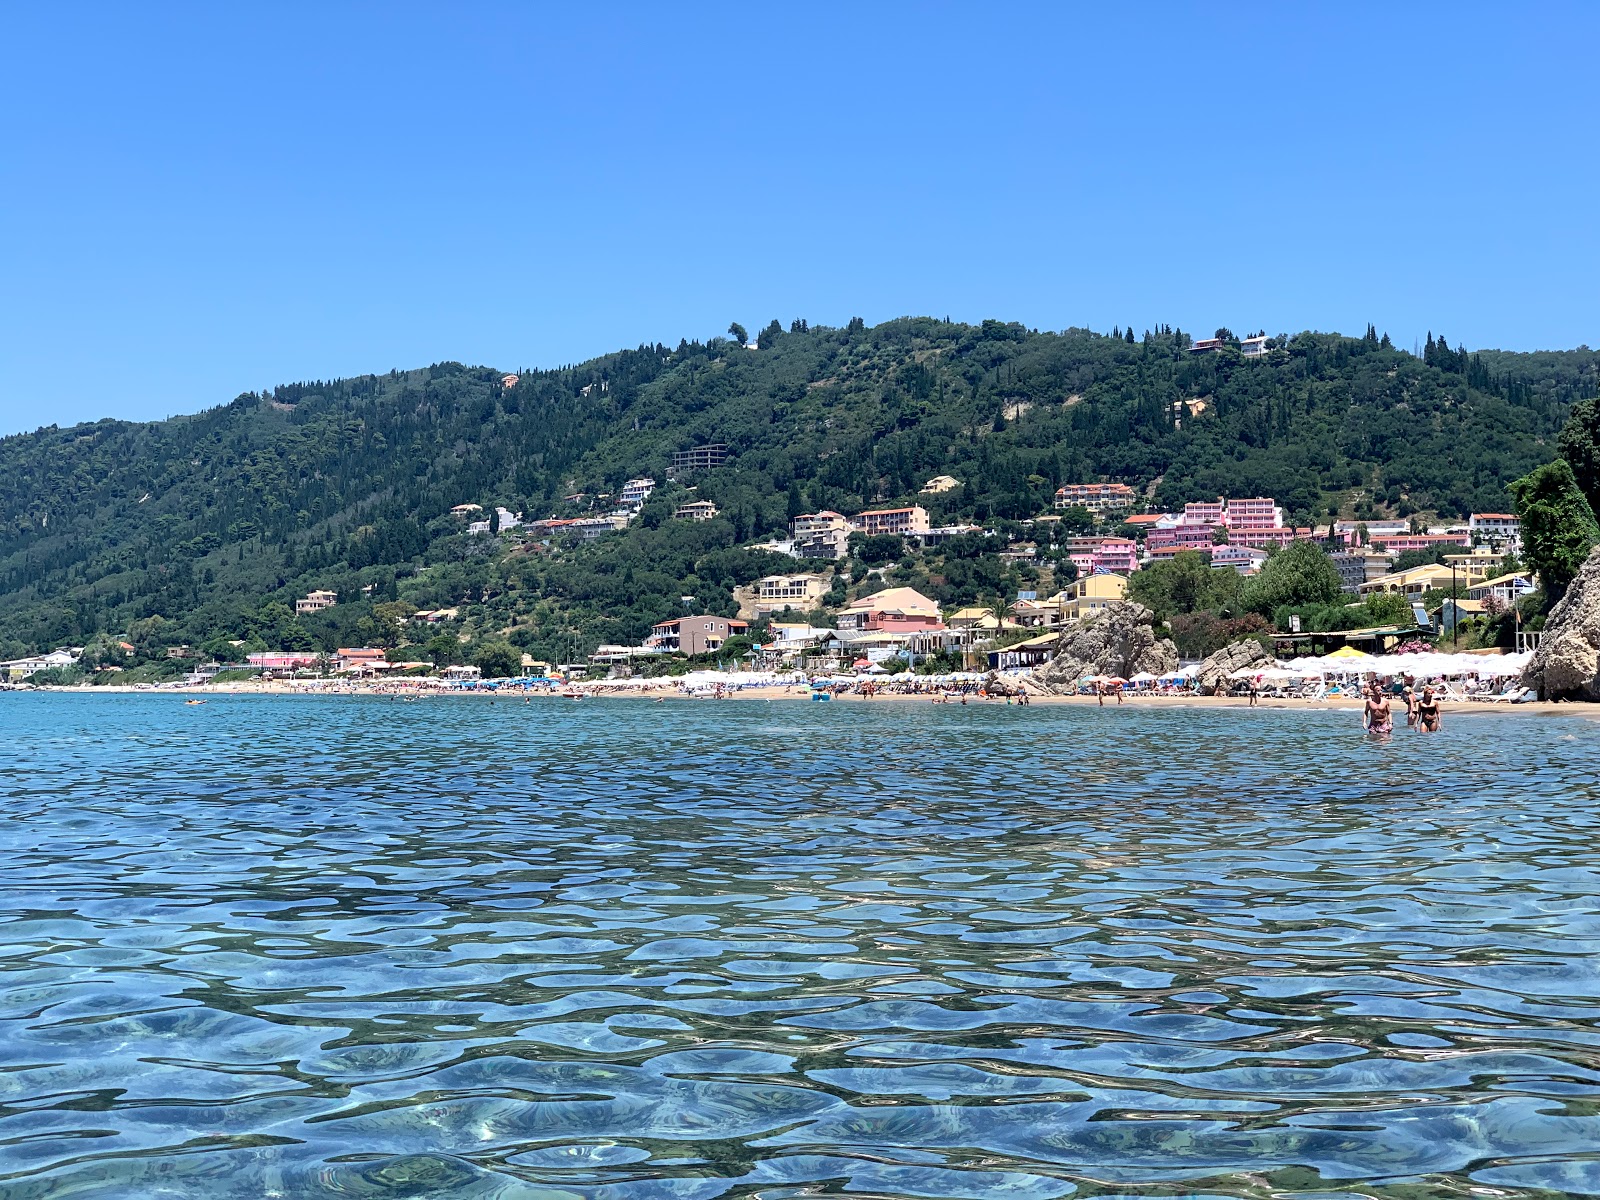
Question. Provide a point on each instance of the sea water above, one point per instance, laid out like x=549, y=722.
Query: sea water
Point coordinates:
x=356, y=947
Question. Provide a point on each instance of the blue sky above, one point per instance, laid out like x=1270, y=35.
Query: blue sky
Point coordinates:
x=195, y=201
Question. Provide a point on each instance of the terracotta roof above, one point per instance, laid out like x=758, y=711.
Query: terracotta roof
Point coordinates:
x=901, y=599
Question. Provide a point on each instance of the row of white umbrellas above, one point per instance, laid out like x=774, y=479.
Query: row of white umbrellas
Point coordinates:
x=1426, y=665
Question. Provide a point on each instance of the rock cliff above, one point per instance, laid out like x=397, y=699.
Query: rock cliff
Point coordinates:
x=1118, y=641
x=1566, y=666
x=1234, y=657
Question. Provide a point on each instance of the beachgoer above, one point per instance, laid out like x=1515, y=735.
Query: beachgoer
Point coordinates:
x=1376, y=715
x=1250, y=690
x=1100, y=691
x=1429, y=717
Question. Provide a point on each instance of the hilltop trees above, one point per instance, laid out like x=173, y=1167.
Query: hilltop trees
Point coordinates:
x=346, y=484
x=1579, y=444
x=1558, y=526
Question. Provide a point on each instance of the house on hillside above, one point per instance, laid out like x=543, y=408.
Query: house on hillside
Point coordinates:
x=774, y=593
x=695, y=510
x=893, y=610
x=824, y=534
x=1495, y=527
x=1096, y=497
x=892, y=520
x=314, y=602
x=635, y=492
x=1247, y=560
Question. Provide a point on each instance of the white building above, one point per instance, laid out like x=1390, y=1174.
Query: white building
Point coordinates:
x=589, y=528
x=19, y=669
x=1246, y=560
x=820, y=535
x=315, y=602
x=635, y=492
x=1495, y=527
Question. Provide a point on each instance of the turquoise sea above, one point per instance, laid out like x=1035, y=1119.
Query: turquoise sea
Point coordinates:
x=346, y=947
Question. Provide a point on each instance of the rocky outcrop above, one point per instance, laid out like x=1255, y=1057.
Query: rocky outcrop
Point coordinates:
x=1566, y=666
x=1231, y=658
x=1121, y=641
x=997, y=684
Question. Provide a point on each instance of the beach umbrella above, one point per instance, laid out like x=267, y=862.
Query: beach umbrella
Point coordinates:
x=1344, y=652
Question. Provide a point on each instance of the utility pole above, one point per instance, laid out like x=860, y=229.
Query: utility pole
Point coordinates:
x=1455, y=612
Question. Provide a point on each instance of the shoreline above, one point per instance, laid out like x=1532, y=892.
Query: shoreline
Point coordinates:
x=792, y=693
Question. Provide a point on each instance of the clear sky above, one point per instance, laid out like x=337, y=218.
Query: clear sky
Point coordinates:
x=195, y=201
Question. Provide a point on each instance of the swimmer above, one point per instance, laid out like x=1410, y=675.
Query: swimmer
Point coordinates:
x=1376, y=713
x=1429, y=718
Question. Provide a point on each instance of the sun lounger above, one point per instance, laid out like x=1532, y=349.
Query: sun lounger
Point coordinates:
x=1515, y=694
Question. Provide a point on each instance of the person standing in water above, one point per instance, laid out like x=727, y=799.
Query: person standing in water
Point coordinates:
x=1429, y=717
x=1376, y=715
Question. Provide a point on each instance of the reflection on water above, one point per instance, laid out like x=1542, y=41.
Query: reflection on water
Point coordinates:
x=352, y=948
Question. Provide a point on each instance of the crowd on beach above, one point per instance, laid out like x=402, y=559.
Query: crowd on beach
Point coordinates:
x=1420, y=684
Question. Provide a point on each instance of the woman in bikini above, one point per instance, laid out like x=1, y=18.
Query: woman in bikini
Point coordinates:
x=1428, y=716
x=1378, y=717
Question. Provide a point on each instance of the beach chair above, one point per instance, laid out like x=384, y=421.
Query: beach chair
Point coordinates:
x=1514, y=694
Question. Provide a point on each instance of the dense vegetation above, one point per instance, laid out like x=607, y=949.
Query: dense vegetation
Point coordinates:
x=205, y=528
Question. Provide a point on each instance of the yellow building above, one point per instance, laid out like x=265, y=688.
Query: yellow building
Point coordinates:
x=799, y=592
x=1089, y=595
x=1413, y=582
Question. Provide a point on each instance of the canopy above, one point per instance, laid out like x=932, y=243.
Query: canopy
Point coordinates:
x=1349, y=652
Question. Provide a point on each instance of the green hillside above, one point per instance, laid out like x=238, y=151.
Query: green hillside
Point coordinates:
x=203, y=527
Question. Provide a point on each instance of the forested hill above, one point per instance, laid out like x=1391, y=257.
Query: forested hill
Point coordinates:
x=197, y=520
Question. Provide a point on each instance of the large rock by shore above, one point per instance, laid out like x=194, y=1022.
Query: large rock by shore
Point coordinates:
x=1121, y=640
x=1234, y=657
x=1566, y=666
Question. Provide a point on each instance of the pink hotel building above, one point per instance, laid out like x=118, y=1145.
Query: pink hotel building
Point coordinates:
x=1258, y=512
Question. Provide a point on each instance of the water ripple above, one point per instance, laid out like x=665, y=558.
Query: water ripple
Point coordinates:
x=353, y=948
